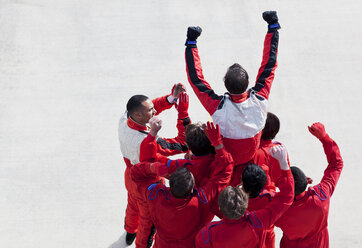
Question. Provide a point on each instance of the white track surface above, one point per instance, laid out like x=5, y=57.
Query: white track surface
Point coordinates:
x=67, y=69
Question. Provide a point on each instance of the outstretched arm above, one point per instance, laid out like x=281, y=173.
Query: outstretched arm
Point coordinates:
x=266, y=71
x=202, y=89
x=223, y=163
x=266, y=217
x=335, y=162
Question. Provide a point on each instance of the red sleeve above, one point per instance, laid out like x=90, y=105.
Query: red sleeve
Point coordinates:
x=202, y=89
x=268, y=65
x=148, y=151
x=177, y=145
x=160, y=104
x=201, y=241
x=280, y=203
x=335, y=166
x=221, y=174
x=156, y=150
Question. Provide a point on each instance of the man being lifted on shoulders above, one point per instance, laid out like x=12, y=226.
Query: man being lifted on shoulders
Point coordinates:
x=240, y=114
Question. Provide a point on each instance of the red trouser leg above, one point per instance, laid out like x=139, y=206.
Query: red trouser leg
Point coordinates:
x=145, y=225
x=132, y=211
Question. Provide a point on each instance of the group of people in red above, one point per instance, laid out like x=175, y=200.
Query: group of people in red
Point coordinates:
x=232, y=166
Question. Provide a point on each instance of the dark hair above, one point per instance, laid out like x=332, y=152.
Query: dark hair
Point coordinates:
x=254, y=179
x=135, y=103
x=271, y=128
x=181, y=183
x=300, y=180
x=233, y=202
x=236, y=79
x=197, y=140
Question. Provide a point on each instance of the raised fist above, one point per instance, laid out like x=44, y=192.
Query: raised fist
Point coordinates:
x=155, y=125
x=270, y=17
x=318, y=130
x=193, y=33
x=280, y=153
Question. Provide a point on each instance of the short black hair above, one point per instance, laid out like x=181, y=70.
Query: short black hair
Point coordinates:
x=300, y=180
x=197, y=140
x=254, y=179
x=135, y=103
x=233, y=202
x=272, y=126
x=181, y=183
x=236, y=79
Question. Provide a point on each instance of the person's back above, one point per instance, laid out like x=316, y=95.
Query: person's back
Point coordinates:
x=240, y=114
x=178, y=220
x=247, y=229
x=179, y=216
x=254, y=180
x=305, y=222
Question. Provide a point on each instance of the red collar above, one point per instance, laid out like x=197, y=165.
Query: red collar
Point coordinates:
x=239, y=98
x=136, y=126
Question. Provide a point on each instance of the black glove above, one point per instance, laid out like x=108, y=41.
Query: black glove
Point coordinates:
x=192, y=34
x=272, y=19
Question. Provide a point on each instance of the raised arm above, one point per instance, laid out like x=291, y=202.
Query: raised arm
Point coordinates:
x=154, y=148
x=166, y=102
x=268, y=65
x=335, y=162
x=172, y=146
x=223, y=163
x=202, y=89
x=281, y=202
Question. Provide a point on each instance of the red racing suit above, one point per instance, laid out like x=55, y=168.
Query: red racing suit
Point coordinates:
x=260, y=202
x=131, y=137
x=263, y=157
x=200, y=166
x=178, y=220
x=305, y=222
x=250, y=229
x=241, y=117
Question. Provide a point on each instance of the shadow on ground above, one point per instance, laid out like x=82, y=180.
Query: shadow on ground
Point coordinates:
x=120, y=243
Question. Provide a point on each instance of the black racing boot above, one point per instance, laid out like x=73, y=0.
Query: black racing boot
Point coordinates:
x=130, y=237
x=150, y=238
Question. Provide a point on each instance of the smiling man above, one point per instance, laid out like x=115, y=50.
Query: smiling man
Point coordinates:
x=132, y=132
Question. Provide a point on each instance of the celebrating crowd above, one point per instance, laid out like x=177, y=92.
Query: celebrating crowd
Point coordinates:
x=232, y=168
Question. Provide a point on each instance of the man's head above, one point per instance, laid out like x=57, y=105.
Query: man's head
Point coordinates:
x=197, y=140
x=182, y=183
x=141, y=109
x=254, y=179
x=300, y=180
x=233, y=202
x=236, y=79
x=271, y=128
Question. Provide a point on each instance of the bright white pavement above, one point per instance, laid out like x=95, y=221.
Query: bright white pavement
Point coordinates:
x=68, y=67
